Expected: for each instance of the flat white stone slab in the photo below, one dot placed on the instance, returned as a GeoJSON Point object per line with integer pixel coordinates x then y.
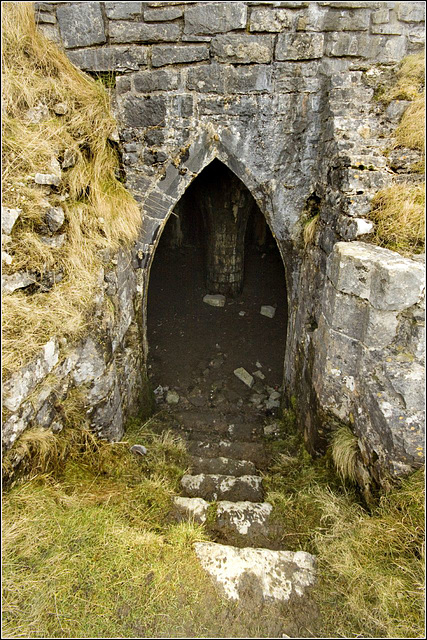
{"type": "Point", "coordinates": [216, 300]}
{"type": "Point", "coordinates": [268, 311]}
{"type": "Point", "coordinates": [244, 376]}
{"type": "Point", "coordinates": [271, 575]}
{"type": "Point", "coordinates": [243, 515]}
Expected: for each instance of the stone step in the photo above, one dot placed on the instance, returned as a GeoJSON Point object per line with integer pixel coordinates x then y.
{"type": "Point", "coordinates": [244, 524]}
{"type": "Point", "coordinates": [217, 487]}
{"type": "Point", "coordinates": [257, 575]}
{"type": "Point", "coordinates": [252, 451]}
{"type": "Point", "coordinates": [222, 466]}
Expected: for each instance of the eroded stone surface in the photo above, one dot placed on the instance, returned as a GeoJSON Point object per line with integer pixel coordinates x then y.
{"type": "Point", "coordinates": [217, 487]}
{"type": "Point", "coordinates": [262, 574]}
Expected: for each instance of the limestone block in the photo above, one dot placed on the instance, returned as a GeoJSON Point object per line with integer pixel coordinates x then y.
{"type": "Point", "coordinates": [122, 10]}
{"type": "Point", "coordinates": [110, 58]}
{"type": "Point", "coordinates": [216, 17]}
{"type": "Point", "coordinates": [254, 79]}
{"type": "Point", "coordinates": [222, 487]}
{"type": "Point", "coordinates": [175, 54]}
{"type": "Point", "coordinates": [138, 111]}
{"type": "Point", "coordinates": [346, 20]}
{"type": "Point", "coordinates": [8, 219]}
{"type": "Point", "coordinates": [268, 19]}
{"type": "Point", "coordinates": [243, 48]}
{"type": "Point", "coordinates": [207, 79]}
{"type": "Point", "coordinates": [245, 520]}
{"type": "Point", "coordinates": [20, 384]}
{"type": "Point", "coordinates": [383, 277]}
{"type": "Point", "coordinates": [299, 46]}
{"type": "Point", "coordinates": [409, 382]}
{"type": "Point", "coordinates": [268, 311]}
{"type": "Point", "coordinates": [274, 576]}
{"type": "Point", "coordinates": [124, 32]}
{"type": "Point", "coordinates": [344, 313]}
{"type": "Point", "coordinates": [411, 11]}
{"type": "Point", "coordinates": [12, 429]}
{"type": "Point", "coordinates": [159, 80]}
{"type": "Point", "coordinates": [81, 24]}
{"type": "Point", "coordinates": [160, 15]}
{"type": "Point", "coordinates": [381, 16]}
{"type": "Point", "coordinates": [379, 328]}
{"type": "Point", "coordinates": [245, 106]}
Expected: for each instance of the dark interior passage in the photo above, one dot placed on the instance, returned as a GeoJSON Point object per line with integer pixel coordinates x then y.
{"type": "Point", "coordinates": [194, 348]}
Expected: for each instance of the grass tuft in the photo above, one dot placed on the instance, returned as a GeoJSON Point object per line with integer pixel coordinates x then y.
{"type": "Point", "coordinates": [398, 214]}
{"type": "Point", "coordinates": [310, 230]}
{"type": "Point", "coordinates": [99, 212]}
{"type": "Point", "coordinates": [344, 452]}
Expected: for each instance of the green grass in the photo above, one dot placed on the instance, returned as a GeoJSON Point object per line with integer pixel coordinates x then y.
{"type": "Point", "coordinates": [371, 562]}
{"type": "Point", "coordinates": [89, 549]}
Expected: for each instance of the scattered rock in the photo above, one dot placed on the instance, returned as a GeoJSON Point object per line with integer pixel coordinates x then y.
{"type": "Point", "coordinates": [18, 280]}
{"type": "Point", "coordinates": [8, 219]}
{"type": "Point", "coordinates": [60, 108]}
{"type": "Point", "coordinates": [258, 364]}
{"type": "Point", "coordinates": [47, 179]}
{"type": "Point", "coordinates": [242, 313]}
{"type": "Point", "coordinates": [272, 429]}
{"type": "Point", "coordinates": [195, 509]}
{"type": "Point", "coordinates": [268, 311]}
{"type": "Point", "coordinates": [6, 257]}
{"type": "Point", "coordinates": [214, 300]}
{"type": "Point", "coordinates": [69, 160]}
{"type": "Point", "coordinates": [37, 114]}
{"type": "Point", "coordinates": [259, 374]}
{"type": "Point", "coordinates": [55, 218]}
{"type": "Point", "coordinates": [172, 397]}
{"type": "Point", "coordinates": [244, 376]}
{"type": "Point", "coordinates": [54, 243]}
{"type": "Point", "coordinates": [139, 450]}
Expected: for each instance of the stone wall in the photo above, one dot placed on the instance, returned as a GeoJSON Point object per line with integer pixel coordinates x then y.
{"type": "Point", "coordinates": [282, 94]}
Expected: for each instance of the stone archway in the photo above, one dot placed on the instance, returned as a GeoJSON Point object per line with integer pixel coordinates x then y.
{"type": "Point", "coordinates": [219, 209]}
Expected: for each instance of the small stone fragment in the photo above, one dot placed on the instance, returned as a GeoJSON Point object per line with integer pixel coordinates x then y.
{"type": "Point", "coordinates": [37, 114]}
{"type": "Point", "coordinates": [244, 376]}
{"type": "Point", "coordinates": [268, 311]}
{"type": "Point", "coordinates": [55, 218]}
{"type": "Point", "coordinates": [60, 108]}
{"type": "Point", "coordinates": [5, 257]}
{"type": "Point", "coordinates": [54, 243]}
{"type": "Point", "coordinates": [18, 280]}
{"type": "Point", "coordinates": [172, 397]}
{"type": "Point", "coordinates": [70, 159]}
{"type": "Point", "coordinates": [8, 219]}
{"type": "Point", "coordinates": [216, 300]}
{"type": "Point", "coordinates": [139, 450]}
{"type": "Point", "coordinates": [259, 374]}
{"type": "Point", "coordinates": [48, 179]}
{"type": "Point", "coordinates": [242, 313]}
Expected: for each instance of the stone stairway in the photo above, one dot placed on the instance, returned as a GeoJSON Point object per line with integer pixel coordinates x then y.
{"type": "Point", "coordinates": [224, 492]}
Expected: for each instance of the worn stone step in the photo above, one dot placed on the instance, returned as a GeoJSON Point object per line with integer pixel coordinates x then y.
{"type": "Point", "coordinates": [258, 575]}
{"type": "Point", "coordinates": [252, 451]}
{"type": "Point", "coordinates": [222, 466]}
{"type": "Point", "coordinates": [244, 524]}
{"type": "Point", "coordinates": [195, 509]}
{"type": "Point", "coordinates": [217, 487]}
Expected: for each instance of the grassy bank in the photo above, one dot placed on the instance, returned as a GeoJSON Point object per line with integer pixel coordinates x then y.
{"type": "Point", "coordinates": [89, 549]}
{"type": "Point", "coordinates": [55, 120]}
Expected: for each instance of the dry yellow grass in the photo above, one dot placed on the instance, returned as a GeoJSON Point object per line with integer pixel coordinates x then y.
{"type": "Point", "coordinates": [398, 214]}
{"type": "Point", "coordinates": [344, 450]}
{"type": "Point", "coordinates": [409, 79]}
{"type": "Point", "coordinates": [99, 212]}
{"type": "Point", "coordinates": [310, 230]}
{"type": "Point", "coordinates": [411, 130]}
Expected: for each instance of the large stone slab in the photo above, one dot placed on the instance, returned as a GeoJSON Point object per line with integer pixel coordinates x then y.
{"type": "Point", "coordinates": [299, 46]}
{"type": "Point", "coordinates": [81, 24]}
{"type": "Point", "coordinates": [175, 54]}
{"type": "Point", "coordinates": [124, 32]}
{"type": "Point", "coordinates": [111, 58]}
{"type": "Point", "coordinates": [389, 281]}
{"type": "Point", "coordinates": [215, 17]}
{"type": "Point", "coordinates": [243, 523]}
{"type": "Point", "coordinates": [260, 574]}
{"type": "Point", "coordinates": [122, 10]}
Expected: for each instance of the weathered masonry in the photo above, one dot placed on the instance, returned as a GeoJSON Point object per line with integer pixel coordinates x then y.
{"type": "Point", "coordinates": [282, 94]}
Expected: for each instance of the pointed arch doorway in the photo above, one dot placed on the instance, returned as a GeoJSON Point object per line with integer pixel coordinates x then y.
{"type": "Point", "coordinates": [217, 241]}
